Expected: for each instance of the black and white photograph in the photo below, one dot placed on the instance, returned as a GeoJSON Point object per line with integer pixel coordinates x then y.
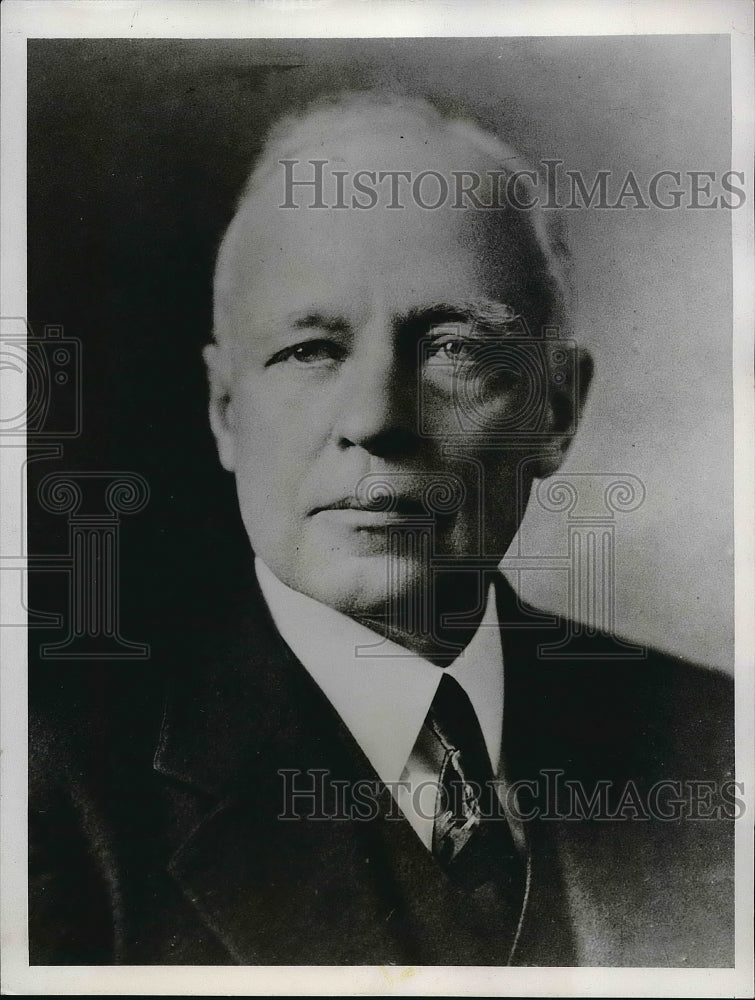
{"type": "Point", "coordinates": [377, 557]}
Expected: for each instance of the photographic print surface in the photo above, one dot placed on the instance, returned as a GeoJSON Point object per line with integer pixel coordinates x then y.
{"type": "Point", "coordinates": [377, 487]}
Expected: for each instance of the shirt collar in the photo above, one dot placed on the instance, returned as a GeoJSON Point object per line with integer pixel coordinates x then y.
{"type": "Point", "coordinates": [381, 690]}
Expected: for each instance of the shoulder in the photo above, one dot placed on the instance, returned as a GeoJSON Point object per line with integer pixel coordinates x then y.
{"type": "Point", "coordinates": [91, 723]}
{"type": "Point", "coordinates": [600, 701]}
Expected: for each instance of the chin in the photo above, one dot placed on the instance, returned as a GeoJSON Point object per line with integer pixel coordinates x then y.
{"type": "Point", "coordinates": [362, 586]}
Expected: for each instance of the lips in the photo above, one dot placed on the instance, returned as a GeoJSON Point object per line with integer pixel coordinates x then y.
{"type": "Point", "coordinates": [401, 506]}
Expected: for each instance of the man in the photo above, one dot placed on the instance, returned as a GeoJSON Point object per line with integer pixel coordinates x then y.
{"type": "Point", "coordinates": [361, 763]}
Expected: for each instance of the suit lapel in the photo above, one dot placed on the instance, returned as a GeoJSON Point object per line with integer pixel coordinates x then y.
{"type": "Point", "coordinates": [545, 934]}
{"type": "Point", "coordinates": [235, 717]}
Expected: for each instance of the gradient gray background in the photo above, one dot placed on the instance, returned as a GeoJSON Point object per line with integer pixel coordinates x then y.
{"type": "Point", "coordinates": [654, 287]}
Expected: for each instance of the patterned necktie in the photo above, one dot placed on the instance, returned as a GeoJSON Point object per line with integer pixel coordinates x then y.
{"type": "Point", "coordinates": [471, 836]}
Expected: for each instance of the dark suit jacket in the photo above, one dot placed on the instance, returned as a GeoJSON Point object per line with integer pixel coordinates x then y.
{"type": "Point", "coordinates": [155, 796]}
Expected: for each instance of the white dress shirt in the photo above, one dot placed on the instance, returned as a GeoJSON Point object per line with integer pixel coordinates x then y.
{"type": "Point", "coordinates": [383, 692]}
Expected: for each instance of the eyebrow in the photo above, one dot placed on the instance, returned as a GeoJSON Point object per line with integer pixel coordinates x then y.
{"type": "Point", "coordinates": [485, 315]}
{"type": "Point", "coordinates": [333, 324]}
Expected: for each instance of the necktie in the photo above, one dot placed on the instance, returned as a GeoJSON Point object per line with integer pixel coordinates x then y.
{"type": "Point", "coordinates": [471, 836]}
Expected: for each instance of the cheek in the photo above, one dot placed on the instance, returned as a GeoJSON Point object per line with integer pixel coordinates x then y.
{"type": "Point", "coordinates": [267, 426]}
{"type": "Point", "coordinates": [267, 481]}
{"type": "Point", "coordinates": [475, 408]}
{"type": "Point", "coordinates": [506, 497]}
{"type": "Point", "coordinates": [497, 486]}
{"type": "Point", "coordinates": [264, 462]}
{"type": "Point", "coordinates": [276, 443]}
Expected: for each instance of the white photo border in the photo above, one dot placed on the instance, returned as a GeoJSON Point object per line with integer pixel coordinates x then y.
{"type": "Point", "coordinates": [24, 19]}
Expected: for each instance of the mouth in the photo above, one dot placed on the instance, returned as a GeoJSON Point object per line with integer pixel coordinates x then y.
{"type": "Point", "coordinates": [392, 508]}
{"type": "Point", "coordinates": [368, 514]}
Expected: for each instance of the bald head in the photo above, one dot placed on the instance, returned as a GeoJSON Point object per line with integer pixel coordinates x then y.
{"type": "Point", "coordinates": [369, 154]}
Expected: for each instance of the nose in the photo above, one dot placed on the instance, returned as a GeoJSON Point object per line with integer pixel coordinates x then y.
{"type": "Point", "coordinates": [378, 407]}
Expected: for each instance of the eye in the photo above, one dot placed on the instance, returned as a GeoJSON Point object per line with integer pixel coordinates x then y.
{"type": "Point", "coordinates": [451, 347]}
{"type": "Point", "coordinates": [489, 361]}
{"type": "Point", "coordinates": [312, 353]}
{"type": "Point", "coordinates": [315, 350]}
{"type": "Point", "coordinates": [456, 350]}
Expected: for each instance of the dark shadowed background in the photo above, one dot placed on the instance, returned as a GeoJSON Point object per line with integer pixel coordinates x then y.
{"type": "Point", "coordinates": [136, 153]}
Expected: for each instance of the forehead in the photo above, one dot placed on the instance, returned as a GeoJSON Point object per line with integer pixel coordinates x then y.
{"type": "Point", "coordinates": [275, 256]}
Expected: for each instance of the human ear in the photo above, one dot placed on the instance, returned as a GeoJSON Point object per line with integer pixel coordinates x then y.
{"type": "Point", "coordinates": [222, 419]}
{"type": "Point", "coordinates": [566, 402]}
